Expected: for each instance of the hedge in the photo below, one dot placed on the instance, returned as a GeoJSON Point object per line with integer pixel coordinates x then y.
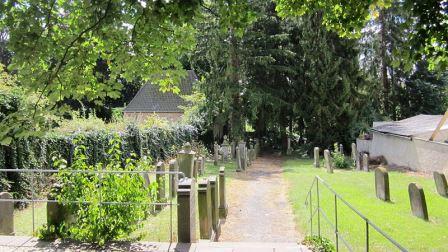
{"type": "Point", "coordinates": [37, 153]}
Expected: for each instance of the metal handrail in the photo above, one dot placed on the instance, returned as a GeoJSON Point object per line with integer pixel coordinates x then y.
{"type": "Point", "coordinates": [338, 235]}
{"type": "Point", "coordinates": [99, 171]}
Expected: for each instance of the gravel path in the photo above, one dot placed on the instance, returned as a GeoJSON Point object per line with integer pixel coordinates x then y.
{"type": "Point", "coordinates": [258, 205]}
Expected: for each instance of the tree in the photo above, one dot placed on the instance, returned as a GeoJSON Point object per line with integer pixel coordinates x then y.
{"type": "Point", "coordinates": [347, 18]}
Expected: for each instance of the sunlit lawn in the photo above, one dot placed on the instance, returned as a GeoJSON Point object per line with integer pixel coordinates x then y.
{"type": "Point", "coordinates": [155, 228]}
{"type": "Point", "coordinates": [358, 188]}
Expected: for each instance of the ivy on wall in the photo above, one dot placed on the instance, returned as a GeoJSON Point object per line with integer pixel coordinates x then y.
{"type": "Point", "coordinates": [37, 152]}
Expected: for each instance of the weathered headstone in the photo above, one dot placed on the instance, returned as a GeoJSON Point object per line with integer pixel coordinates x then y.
{"type": "Point", "coordinates": [441, 184]}
{"type": "Point", "coordinates": [238, 160]}
{"type": "Point", "coordinates": [215, 154]}
{"type": "Point", "coordinates": [222, 193]}
{"type": "Point", "coordinates": [174, 180]}
{"type": "Point", "coordinates": [316, 157]}
{"type": "Point", "coordinates": [160, 178]}
{"type": "Point", "coordinates": [233, 150]}
{"type": "Point", "coordinates": [202, 165]}
{"type": "Point", "coordinates": [354, 152]}
{"type": "Point", "coordinates": [196, 166]}
{"type": "Point", "coordinates": [55, 212]}
{"type": "Point", "coordinates": [257, 147]}
{"type": "Point", "coordinates": [6, 214]}
{"type": "Point", "coordinates": [341, 148]}
{"type": "Point", "coordinates": [358, 161]}
{"type": "Point", "coordinates": [418, 201]}
{"type": "Point", "coordinates": [328, 163]}
{"type": "Point", "coordinates": [243, 154]}
{"type": "Point", "coordinates": [215, 204]}
{"type": "Point", "coordinates": [186, 211]}
{"type": "Point", "coordinates": [365, 162]}
{"type": "Point", "coordinates": [382, 184]}
{"type": "Point", "coordinates": [185, 160]}
{"type": "Point", "coordinates": [225, 152]}
{"type": "Point", "coordinates": [205, 209]}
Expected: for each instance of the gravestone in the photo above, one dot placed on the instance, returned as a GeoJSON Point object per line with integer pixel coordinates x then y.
{"type": "Point", "coordinates": [215, 154]}
{"type": "Point", "coordinates": [243, 154]}
{"type": "Point", "coordinates": [257, 147]}
{"type": "Point", "coordinates": [222, 193]}
{"type": "Point", "coordinates": [225, 149]}
{"type": "Point", "coordinates": [328, 163]}
{"type": "Point", "coordinates": [365, 162]}
{"type": "Point", "coordinates": [354, 152]}
{"type": "Point", "coordinates": [174, 180]}
{"type": "Point", "coordinates": [202, 165]}
{"type": "Point", "coordinates": [186, 211]}
{"type": "Point", "coordinates": [441, 184]}
{"type": "Point", "coordinates": [418, 201]}
{"type": "Point", "coordinates": [358, 161]}
{"type": "Point", "coordinates": [341, 148]}
{"type": "Point", "coordinates": [195, 167]}
{"type": "Point", "coordinates": [316, 157]}
{"type": "Point", "coordinates": [215, 205]}
{"type": "Point", "coordinates": [160, 178]}
{"type": "Point", "coordinates": [185, 160]}
{"type": "Point", "coordinates": [205, 209]}
{"type": "Point", "coordinates": [233, 150]}
{"type": "Point", "coordinates": [382, 184]}
{"type": "Point", "coordinates": [6, 214]}
{"type": "Point", "coordinates": [238, 160]}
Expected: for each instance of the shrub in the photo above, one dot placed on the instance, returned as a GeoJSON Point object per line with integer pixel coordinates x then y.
{"type": "Point", "coordinates": [93, 221]}
{"type": "Point", "coordinates": [339, 159]}
{"type": "Point", "coordinates": [318, 243]}
{"type": "Point", "coordinates": [37, 152]}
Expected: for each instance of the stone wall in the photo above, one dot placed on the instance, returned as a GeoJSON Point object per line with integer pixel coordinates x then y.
{"type": "Point", "coordinates": [417, 154]}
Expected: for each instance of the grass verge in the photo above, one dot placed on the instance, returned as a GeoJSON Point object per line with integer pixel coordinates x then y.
{"type": "Point", "coordinates": [358, 188]}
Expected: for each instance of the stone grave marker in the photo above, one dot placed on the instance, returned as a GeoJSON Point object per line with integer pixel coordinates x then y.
{"type": "Point", "coordinates": [222, 193]}
{"type": "Point", "coordinates": [186, 211]}
{"type": "Point", "coordinates": [185, 160]}
{"type": "Point", "coordinates": [418, 201]}
{"type": "Point", "coordinates": [365, 162]}
{"type": "Point", "coordinates": [328, 163]}
{"type": "Point", "coordinates": [441, 184]}
{"type": "Point", "coordinates": [174, 179]}
{"type": "Point", "coordinates": [6, 214]}
{"type": "Point", "coordinates": [215, 154]}
{"type": "Point", "coordinates": [382, 184]}
{"type": "Point", "coordinates": [205, 209]}
{"type": "Point", "coordinates": [316, 157]}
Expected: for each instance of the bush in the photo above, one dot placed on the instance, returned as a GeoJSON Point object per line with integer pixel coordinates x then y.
{"type": "Point", "coordinates": [339, 159]}
{"type": "Point", "coordinates": [37, 152]}
{"type": "Point", "coordinates": [93, 221]}
{"type": "Point", "coordinates": [318, 244]}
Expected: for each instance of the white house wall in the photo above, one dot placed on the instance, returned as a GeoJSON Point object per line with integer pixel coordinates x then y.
{"type": "Point", "coordinates": [417, 154]}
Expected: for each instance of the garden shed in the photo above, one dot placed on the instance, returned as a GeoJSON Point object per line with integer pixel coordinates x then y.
{"type": "Point", "coordinates": [418, 143]}
{"type": "Point", "coordinates": [149, 100]}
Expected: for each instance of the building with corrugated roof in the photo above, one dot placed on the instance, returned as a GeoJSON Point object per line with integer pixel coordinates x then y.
{"type": "Point", "coordinates": [418, 143]}
{"type": "Point", "coordinates": [149, 101]}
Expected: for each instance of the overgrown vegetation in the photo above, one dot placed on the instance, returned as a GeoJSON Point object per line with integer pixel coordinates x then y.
{"type": "Point", "coordinates": [37, 152]}
{"type": "Point", "coordinates": [339, 159]}
{"type": "Point", "coordinates": [112, 205]}
{"type": "Point", "coordinates": [318, 244]}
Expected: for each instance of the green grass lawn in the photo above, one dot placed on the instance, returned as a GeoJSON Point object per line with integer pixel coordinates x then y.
{"type": "Point", "coordinates": [358, 188]}
{"type": "Point", "coordinates": [155, 228]}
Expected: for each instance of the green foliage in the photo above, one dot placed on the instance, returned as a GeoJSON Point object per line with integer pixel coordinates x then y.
{"type": "Point", "coordinates": [96, 221]}
{"type": "Point", "coordinates": [19, 117]}
{"type": "Point", "coordinates": [339, 159]}
{"type": "Point", "coordinates": [59, 46]}
{"type": "Point", "coordinates": [319, 243]}
{"type": "Point", "coordinates": [37, 152]}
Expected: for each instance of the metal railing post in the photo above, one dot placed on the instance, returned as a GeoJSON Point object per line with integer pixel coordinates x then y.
{"type": "Point", "coordinates": [311, 211]}
{"type": "Point", "coordinates": [367, 235]}
{"type": "Point", "coordinates": [336, 231]}
{"type": "Point", "coordinates": [318, 208]}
